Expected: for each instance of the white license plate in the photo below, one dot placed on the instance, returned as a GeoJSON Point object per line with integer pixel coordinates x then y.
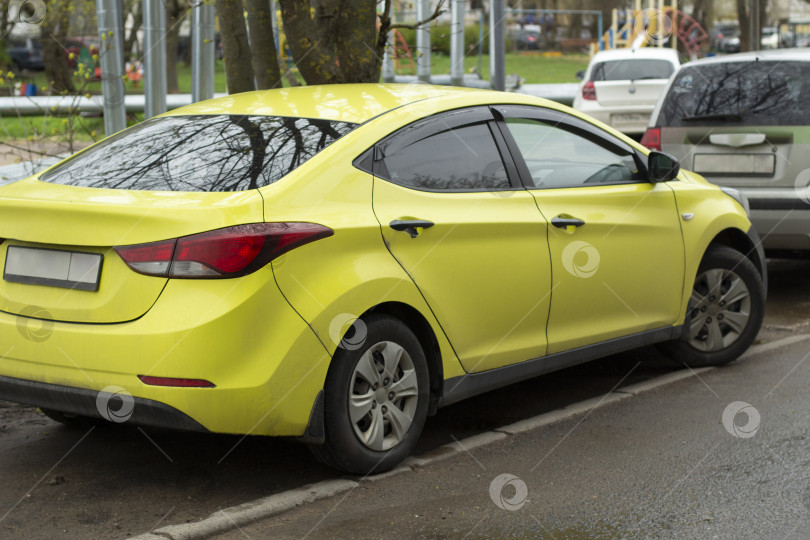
{"type": "Point", "coordinates": [629, 118]}
{"type": "Point", "coordinates": [53, 267]}
{"type": "Point", "coordinates": [735, 164]}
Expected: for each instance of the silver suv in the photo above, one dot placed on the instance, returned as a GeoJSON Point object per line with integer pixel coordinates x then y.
{"type": "Point", "coordinates": [743, 121]}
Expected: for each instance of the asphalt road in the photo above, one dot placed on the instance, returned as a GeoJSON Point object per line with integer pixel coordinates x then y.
{"type": "Point", "coordinates": [120, 481]}
{"type": "Point", "coordinates": [659, 465]}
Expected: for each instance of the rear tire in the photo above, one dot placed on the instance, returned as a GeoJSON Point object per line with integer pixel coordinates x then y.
{"type": "Point", "coordinates": [375, 399]}
{"type": "Point", "coordinates": [725, 311]}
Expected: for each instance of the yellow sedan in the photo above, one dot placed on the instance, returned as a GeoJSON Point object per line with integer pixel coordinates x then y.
{"type": "Point", "coordinates": [335, 263]}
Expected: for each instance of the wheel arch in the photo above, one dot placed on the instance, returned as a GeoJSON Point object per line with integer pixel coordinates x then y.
{"type": "Point", "coordinates": [747, 244]}
{"type": "Point", "coordinates": [420, 326]}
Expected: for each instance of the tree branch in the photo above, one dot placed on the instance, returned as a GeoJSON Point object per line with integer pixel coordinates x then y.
{"type": "Point", "coordinates": [435, 15]}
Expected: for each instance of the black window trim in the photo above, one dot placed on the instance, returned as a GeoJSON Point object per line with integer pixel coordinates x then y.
{"type": "Point", "coordinates": [568, 123]}
{"type": "Point", "coordinates": [434, 125]}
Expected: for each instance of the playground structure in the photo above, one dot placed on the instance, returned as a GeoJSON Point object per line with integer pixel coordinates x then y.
{"type": "Point", "coordinates": [654, 26]}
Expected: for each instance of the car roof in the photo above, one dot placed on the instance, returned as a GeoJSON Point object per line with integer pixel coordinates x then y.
{"type": "Point", "coordinates": [641, 52]}
{"type": "Point", "coordinates": [800, 54]}
{"type": "Point", "coordinates": [356, 103]}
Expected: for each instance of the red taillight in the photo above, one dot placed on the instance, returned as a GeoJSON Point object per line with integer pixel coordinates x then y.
{"type": "Point", "coordinates": [171, 381]}
{"type": "Point", "coordinates": [652, 138]}
{"type": "Point", "coordinates": [223, 253]}
{"type": "Point", "coordinates": [588, 91]}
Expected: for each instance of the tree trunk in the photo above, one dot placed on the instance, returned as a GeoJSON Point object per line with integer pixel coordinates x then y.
{"type": "Point", "coordinates": [702, 13]}
{"type": "Point", "coordinates": [744, 17]}
{"type": "Point", "coordinates": [136, 10]}
{"type": "Point", "coordinates": [316, 61]}
{"type": "Point", "coordinates": [263, 44]}
{"type": "Point", "coordinates": [238, 69]}
{"type": "Point", "coordinates": [359, 52]}
{"type": "Point", "coordinates": [54, 31]}
{"type": "Point", "coordinates": [175, 11]}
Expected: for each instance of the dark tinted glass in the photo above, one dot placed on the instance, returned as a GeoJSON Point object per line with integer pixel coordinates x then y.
{"type": "Point", "coordinates": [739, 93]}
{"type": "Point", "coordinates": [463, 158]}
{"type": "Point", "coordinates": [627, 70]}
{"type": "Point", "coordinates": [200, 153]}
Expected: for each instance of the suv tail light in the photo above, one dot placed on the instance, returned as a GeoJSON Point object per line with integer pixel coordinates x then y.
{"type": "Point", "coordinates": [222, 253]}
{"type": "Point", "coordinates": [652, 138]}
{"type": "Point", "coordinates": [589, 91]}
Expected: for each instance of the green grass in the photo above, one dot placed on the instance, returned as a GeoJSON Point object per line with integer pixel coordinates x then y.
{"type": "Point", "coordinates": [533, 68]}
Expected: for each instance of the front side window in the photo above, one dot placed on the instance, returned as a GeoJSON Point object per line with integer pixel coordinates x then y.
{"type": "Point", "coordinates": [763, 93]}
{"type": "Point", "coordinates": [558, 158]}
{"type": "Point", "coordinates": [200, 153]}
{"type": "Point", "coordinates": [462, 158]}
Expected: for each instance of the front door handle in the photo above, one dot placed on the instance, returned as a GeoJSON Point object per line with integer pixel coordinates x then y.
{"type": "Point", "coordinates": [562, 223]}
{"type": "Point", "coordinates": [410, 226]}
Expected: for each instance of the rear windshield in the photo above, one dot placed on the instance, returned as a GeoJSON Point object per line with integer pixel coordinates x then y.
{"type": "Point", "coordinates": [200, 153]}
{"type": "Point", "coordinates": [632, 70]}
{"type": "Point", "coordinates": [739, 93]}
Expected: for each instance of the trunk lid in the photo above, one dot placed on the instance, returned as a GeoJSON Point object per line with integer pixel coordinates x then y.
{"type": "Point", "coordinates": [629, 93]}
{"type": "Point", "coordinates": [53, 232]}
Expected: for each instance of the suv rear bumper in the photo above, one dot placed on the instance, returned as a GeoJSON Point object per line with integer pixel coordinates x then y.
{"type": "Point", "coordinates": [781, 218]}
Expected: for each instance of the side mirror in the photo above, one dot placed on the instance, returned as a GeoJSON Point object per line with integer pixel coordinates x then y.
{"type": "Point", "coordinates": [662, 167]}
{"type": "Point", "coordinates": [580, 74]}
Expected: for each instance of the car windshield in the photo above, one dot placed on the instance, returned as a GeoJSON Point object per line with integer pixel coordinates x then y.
{"type": "Point", "coordinates": [200, 153]}
{"type": "Point", "coordinates": [632, 70]}
{"type": "Point", "coordinates": [741, 93]}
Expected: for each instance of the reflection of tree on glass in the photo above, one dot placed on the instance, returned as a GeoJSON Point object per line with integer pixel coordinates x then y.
{"type": "Point", "coordinates": [743, 93]}
{"type": "Point", "coordinates": [200, 153]}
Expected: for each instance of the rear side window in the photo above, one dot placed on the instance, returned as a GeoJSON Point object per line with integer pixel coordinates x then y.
{"type": "Point", "coordinates": [739, 93]}
{"type": "Point", "coordinates": [200, 153]}
{"type": "Point", "coordinates": [463, 158]}
{"type": "Point", "coordinates": [632, 70]}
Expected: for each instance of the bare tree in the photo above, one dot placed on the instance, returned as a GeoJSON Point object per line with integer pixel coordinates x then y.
{"type": "Point", "coordinates": [55, 28]}
{"type": "Point", "coordinates": [175, 12]}
{"type": "Point", "coordinates": [744, 18]}
{"type": "Point", "coordinates": [339, 41]}
{"type": "Point", "coordinates": [263, 44]}
{"type": "Point", "coordinates": [238, 67]}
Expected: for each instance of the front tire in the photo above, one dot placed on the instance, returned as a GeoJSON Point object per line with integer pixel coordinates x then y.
{"type": "Point", "coordinates": [375, 399]}
{"type": "Point", "coordinates": [725, 311]}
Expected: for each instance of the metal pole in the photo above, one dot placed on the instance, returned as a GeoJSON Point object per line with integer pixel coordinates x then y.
{"type": "Point", "coordinates": [481, 24]}
{"type": "Point", "coordinates": [497, 46]}
{"type": "Point", "coordinates": [111, 37]}
{"type": "Point", "coordinates": [388, 74]}
{"type": "Point", "coordinates": [423, 41]}
{"type": "Point", "coordinates": [601, 34]}
{"type": "Point", "coordinates": [154, 31]}
{"type": "Point", "coordinates": [457, 43]}
{"type": "Point", "coordinates": [202, 52]}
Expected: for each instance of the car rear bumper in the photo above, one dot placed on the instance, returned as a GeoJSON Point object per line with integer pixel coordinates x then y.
{"type": "Point", "coordinates": [267, 365]}
{"type": "Point", "coordinates": [84, 402]}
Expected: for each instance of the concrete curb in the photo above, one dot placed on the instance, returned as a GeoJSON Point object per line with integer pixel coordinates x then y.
{"type": "Point", "coordinates": [232, 518]}
{"type": "Point", "coordinates": [237, 516]}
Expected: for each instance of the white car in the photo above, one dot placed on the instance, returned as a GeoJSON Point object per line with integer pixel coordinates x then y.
{"type": "Point", "coordinates": [621, 86]}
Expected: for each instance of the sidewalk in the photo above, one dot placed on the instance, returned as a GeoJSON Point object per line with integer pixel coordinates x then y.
{"type": "Point", "coordinates": [20, 159]}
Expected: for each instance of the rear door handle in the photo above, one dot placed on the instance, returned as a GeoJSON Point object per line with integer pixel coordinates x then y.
{"type": "Point", "coordinates": [562, 223]}
{"type": "Point", "coordinates": [409, 226]}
